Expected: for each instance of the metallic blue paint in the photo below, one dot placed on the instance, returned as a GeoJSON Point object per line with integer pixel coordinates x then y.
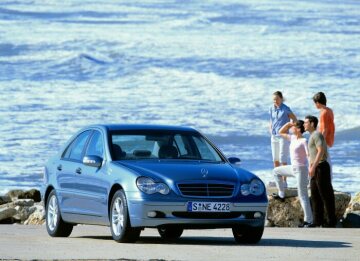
{"type": "Point", "coordinates": [84, 197]}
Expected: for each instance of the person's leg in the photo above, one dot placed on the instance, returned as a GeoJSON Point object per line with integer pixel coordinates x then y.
{"type": "Point", "coordinates": [275, 150]}
{"type": "Point", "coordinates": [326, 192]}
{"type": "Point", "coordinates": [279, 173]}
{"type": "Point", "coordinates": [283, 154]}
{"type": "Point", "coordinates": [316, 202]}
{"type": "Point", "coordinates": [303, 181]}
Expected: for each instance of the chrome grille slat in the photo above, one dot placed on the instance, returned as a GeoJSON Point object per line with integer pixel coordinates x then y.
{"type": "Point", "coordinates": [206, 189]}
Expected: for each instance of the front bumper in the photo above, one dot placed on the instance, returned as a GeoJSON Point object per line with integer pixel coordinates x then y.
{"type": "Point", "coordinates": [175, 213]}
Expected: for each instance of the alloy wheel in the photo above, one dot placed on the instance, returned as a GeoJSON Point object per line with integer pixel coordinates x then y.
{"type": "Point", "coordinates": [117, 216]}
{"type": "Point", "coordinates": [53, 213]}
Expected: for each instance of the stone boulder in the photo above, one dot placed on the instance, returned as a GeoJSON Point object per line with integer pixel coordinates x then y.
{"type": "Point", "coordinates": [4, 199]}
{"type": "Point", "coordinates": [352, 214]}
{"type": "Point", "coordinates": [7, 212]}
{"type": "Point", "coordinates": [37, 217]}
{"type": "Point", "coordinates": [354, 204]}
{"type": "Point", "coordinates": [20, 194]}
{"type": "Point", "coordinates": [290, 214]}
{"type": "Point", "coordinates": [22, 208]}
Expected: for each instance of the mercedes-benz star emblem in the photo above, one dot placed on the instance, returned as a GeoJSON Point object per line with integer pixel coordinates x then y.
{"type": "Point", "coordinates": [204, 173]}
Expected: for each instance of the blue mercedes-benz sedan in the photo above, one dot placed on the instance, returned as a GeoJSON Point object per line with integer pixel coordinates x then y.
{"type": "Point", "coordinates": [131, 177]}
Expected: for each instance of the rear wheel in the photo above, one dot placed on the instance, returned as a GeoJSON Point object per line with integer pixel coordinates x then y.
{"type": "Point", "coordinates": [55, 226]}
{"type": "Point", "coordinates": [247, 235]}
{"type": "Point", "coordinates": [170, 233]}
{"type": "Point", "coordinates": [121, 229]}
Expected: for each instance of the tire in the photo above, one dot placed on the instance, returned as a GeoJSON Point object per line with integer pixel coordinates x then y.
{"type": "Point", "coordinates": [247, 235]}
{"type": "Point", "coordinates": [170, 233]}
{"type": "Point", "coordinates": [55, 226]}
{"type": "Point", "coordinates": [120, 227]}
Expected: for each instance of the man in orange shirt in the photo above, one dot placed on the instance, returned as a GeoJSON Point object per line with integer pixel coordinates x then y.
{"type": "Point", "coordinates": [326, 121]}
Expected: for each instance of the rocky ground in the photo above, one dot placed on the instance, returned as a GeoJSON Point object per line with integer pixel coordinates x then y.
{"type": "Point", "coordinates": [290, 214]}
{"type": "Point", "coordinates": [25, 207]}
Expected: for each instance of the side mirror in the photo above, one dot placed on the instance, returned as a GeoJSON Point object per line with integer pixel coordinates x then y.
{"type": "Point", "coordinates": [234, 160]}
{"type": "Point", "coordinates": [92, 161]}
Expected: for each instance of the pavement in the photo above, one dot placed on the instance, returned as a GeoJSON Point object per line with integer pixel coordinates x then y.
{"type": "Point", "coordinates": [94, 242]}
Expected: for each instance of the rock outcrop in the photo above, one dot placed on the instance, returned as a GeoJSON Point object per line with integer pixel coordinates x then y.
{"type": "Point", "coordinates": [290, 214]}
{"type": "Point", "coordinates": [33, 194]}
{"type": "Point", "coordinates": [22, 207]}
{"type": "Point", "coordinates": [352, 213]}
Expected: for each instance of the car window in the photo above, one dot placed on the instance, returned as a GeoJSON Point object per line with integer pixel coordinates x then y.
{"type": "Point", "coordinates": [75, 149]}
{"type": "Point", "coordinates": [207, 152]}
{"type": "Point", "coordinates": [96, 145]}
{"type": "Point", "coordinates": [180, 144]}
{"type": "Point", "coordinates": [161, 145]}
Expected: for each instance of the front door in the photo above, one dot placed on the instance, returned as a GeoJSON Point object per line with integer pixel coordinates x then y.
{"type": "Point", "coordinates": [91, 184]}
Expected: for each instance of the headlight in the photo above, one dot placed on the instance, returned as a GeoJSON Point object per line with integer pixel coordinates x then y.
{"type": "Point", "coordinates": [245, 189]}
{"type": "Point", "coordinates": [148, 186]}
{"type": "Point", "coordinates": [256, 187]}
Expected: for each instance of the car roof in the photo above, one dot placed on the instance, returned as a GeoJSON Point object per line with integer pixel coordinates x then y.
{"type": "Point", "coordinates": [115, 127]}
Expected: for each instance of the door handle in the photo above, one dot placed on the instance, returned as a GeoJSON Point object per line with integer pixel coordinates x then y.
{"type": "Point", "coordinates": [78, 170]}
{"type": "Point", "coordinates": [59, 167]}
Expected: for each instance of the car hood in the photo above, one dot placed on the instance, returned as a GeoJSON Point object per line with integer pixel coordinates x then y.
{"type": "Point", "coordinates": [188, 171]}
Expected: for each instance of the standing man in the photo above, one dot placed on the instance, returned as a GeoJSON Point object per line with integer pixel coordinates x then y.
{"type": "Point", "coordinates": [326, 122]}
{"type": "Point", "coordinates": [322, 193]}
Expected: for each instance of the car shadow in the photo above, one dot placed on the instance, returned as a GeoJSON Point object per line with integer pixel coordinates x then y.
{"type": "Point", "coordinates": [227, 241]}
{"type": "Point", "coordinates": [304, 243]}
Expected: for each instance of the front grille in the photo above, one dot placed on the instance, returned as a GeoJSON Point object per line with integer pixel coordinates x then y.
{"type": "Point", "coordinates": [206, 189]}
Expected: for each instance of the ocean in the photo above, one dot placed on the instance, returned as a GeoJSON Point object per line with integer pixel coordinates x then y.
{"type": "Point", "coordinates": [212, 65]}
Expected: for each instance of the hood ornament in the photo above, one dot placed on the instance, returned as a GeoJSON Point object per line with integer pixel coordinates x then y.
{"type": "Point", "coordinates": [204, 173]}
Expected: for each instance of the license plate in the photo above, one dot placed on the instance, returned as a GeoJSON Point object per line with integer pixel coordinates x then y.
{"type": "Point", "coordinates": [208, 207]}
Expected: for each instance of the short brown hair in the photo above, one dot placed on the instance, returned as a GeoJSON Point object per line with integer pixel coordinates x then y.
{"type": "Point", "coordinates": [312, 119]}
{"type": "Point", "coordinates": [279, 94]}
{"type": "Point", "coordinates": [320, 98]}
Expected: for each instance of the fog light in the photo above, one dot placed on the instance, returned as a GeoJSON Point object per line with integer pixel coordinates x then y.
{"type": "Point", "coordinates": [151, 214]}
{"type": "Point", "coordinates": [257, 215]}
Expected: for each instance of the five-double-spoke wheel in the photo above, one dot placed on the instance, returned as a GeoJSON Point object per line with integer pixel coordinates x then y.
{"type": "Point", "coordinates": [55, 226]}
{"type": "Point", "coordinates": [120, 226]}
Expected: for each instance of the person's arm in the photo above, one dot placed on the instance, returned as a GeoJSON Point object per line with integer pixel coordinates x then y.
{"type": "Point", "coordinates": [322, 123]}
{"type": "Point", "coordinates": [285, 129]}
{"type": "Point", "coordinates": [319, 155]}
{"type": "Point", "coordinates": [292, 117]}
{"type": "Point", "coordinates": [305, 145]}
{"type": "Point", "coordinates": [270, 121]}
{"type": "Point", "coordinates": [306, 150]}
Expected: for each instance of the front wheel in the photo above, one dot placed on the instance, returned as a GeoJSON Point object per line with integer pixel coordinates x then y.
{"type": "Point", "coordinates": [170, 233]}
{"type": "Point", "coordinates": [121, 229]}
{"type": "Point", "coordinates": [247, 235]}
{"type": "Point", "coordinates": [55, 226]}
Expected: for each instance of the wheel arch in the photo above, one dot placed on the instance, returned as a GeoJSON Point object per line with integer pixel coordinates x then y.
{"type": "Point", "coordinates": [46, 195]}
{"type": "Point", "coordinates": [112, 192]}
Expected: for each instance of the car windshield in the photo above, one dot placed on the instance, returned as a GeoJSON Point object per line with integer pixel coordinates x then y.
{"type": "Point", "coordinates": [135, 145]}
